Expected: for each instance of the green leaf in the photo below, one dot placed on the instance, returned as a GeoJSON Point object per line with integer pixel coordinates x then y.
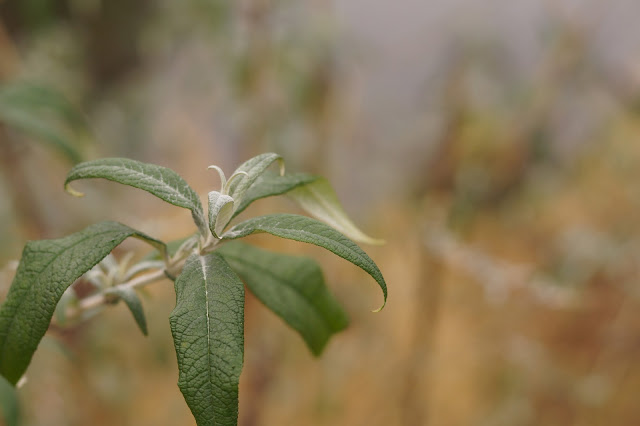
{"type": "Point", "coordinates": [320, 200]}
{"type": "Point", "coordinates": [42, 130]}
{"type": "Point", "coordinates": [307, 230]}
{"type": "Point", "coordinates": [9, 406]}
{"type": "Point", "coordinates": [253, 168]}
{"type": "Point", "coordinates": [208, 332]}
{"type": "Point", "coordinates": [43, 99]}
{"type": "Point", "coordinates": [220, 210]}
{"type": "Point", "coordinates": [160, 181]}
{"type": "Point", "coordinates": [46, 270]}
{"type": "Point", "coordinates": [44, 114]}
{"type": "Point", "coordinates": [134, 304]}
{"type": "Point", "coordinates": [270, 184]}
{"type": "Point", "coordinates": [291, 286]}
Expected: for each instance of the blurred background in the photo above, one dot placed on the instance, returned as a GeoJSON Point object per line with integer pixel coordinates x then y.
{"type": "Point", "coordinates": [493, 144]}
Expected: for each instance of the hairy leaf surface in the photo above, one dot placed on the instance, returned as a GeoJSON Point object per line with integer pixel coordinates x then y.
{"type": "Point", "coordinates": [208, 332]}
{"type": "Point", "coordinates": [160, 181]}
{"type": "Point", "coordinates": [220, 210]}
{"type": "Point", "coordinates": [270, 184]}
{"type": "Point", "coordinates": [320, 200]}
{"type": "Point", "coordinates": [291, 286]}
{"type": "Point", "coordinates": [46, 269]}
{"type": "Point", "coordinates": [308, 230]}
{"type": "Point", "coordinates": [253, 168]}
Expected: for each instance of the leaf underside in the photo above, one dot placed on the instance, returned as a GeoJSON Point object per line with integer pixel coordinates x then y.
{"type": "Point", "coordinates": [47, 268]}
{"type": "Point", "coordinates": [160, 181]}
{"type": "Point", "coordinates": [320, 200]}
{"type": "Point", "coordinates": [220, 210]}
{"type": "Point", "coordinates": [308, 230]}
{"type": "Point", "coordinates": [131, 299]}
{"type": "Point", "coordinates": [291, 286]}
{"type": "Point", "coordinates": [208, 332]}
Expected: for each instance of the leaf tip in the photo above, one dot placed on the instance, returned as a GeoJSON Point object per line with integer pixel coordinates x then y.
{"type": "Point", "coordinates": [241, 174]}
{"type": "Point", "coordinates": [21, 382]}
{"type": "Point", "coordinates": [223, 179]}
{"type": "Point", "coordinates": [281, 165]}
{"type": "Point", "coordinates": [72, 191]}
{"type": "Point", "coordinates": [381, 307]}
{"type": "Point", "coordinates": [374, 241]}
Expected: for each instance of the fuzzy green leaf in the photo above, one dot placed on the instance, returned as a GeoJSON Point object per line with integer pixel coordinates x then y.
{"type": "Point", "coordinates": [220, 210]}
{"type": "Point", "coordinates": [47, 268]}
{"type": "Point", "coordinates": [291, 286]}
{"type": "Point", "coordinates": [307, 230]}
{"type": "Point", "coordinates": [160, 181]}
{"type": "Point", "coordinates": [320, 200]}
{"type": "Point", "coordinates": [134, 304]}
{"type": "Point", "coordinates": [9, 406]}
{"type": "Point", "coordinates": [208, 332]}
{"type": "Point", "coordinates": [270, 184]}
{"type": "Point", "coordinates": [253, 168]}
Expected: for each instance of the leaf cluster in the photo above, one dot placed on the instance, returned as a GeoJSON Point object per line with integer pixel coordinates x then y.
{"type": "Point", "coordinates": [210, 270]}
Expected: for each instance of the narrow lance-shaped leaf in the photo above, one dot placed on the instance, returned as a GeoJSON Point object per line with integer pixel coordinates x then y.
{"type": "Point", "coordinates": [291, 286]}
{"type": "Point", "coordinates": [134, 304]}
{"type": "Point", "coordinates": [39, 98]}
{"type": "Point", "coordinates": [270, 184]}
{"type": "Point", "coordinates": [220, 210]}
{"type": "Point", "coordinates": [47, 268]}
{"type": "Point", "coordinates": [208, 332]}
{"type": "Point", "coordinates": [320, 200]}
{"type": "Point", "coordinates": [41, 130]}
{"type": "Point", "coordinates": [253, 169]}
{"type": "Point", "coordinates": [160, 181]}
{"type": "Point", "coordinates": [305, 229]}
{"type": "Point", "coordinates": [9, 406]}
{"type": "Point", "coordinates": [45, 114]}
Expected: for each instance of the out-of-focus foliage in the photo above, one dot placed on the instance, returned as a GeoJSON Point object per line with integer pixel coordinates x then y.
{"type": "Point", "coordinates": [492, 144]}
{"type": "Point", "coordinates": [45, 115]}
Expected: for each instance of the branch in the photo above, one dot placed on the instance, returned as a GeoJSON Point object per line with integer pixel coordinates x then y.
{"type": "Point", "coordinates": [101, 299]}
{"type": "Point", "coordinates": [96, 301]}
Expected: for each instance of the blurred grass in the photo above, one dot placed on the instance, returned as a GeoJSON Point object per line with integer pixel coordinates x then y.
{"type": "Point", "coordinates": [509, 202]}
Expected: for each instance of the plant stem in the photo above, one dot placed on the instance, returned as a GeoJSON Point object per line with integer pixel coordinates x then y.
{"type": "Point", "coordinates": [172, 269]}
{"type": "Point", "coordinates": [100, 299]}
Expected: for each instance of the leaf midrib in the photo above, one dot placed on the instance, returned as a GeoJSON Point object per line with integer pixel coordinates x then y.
{"type": "Point", "coordinates": [206, 301]}
{"type": "Point", "coordinates": [161, 181]}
